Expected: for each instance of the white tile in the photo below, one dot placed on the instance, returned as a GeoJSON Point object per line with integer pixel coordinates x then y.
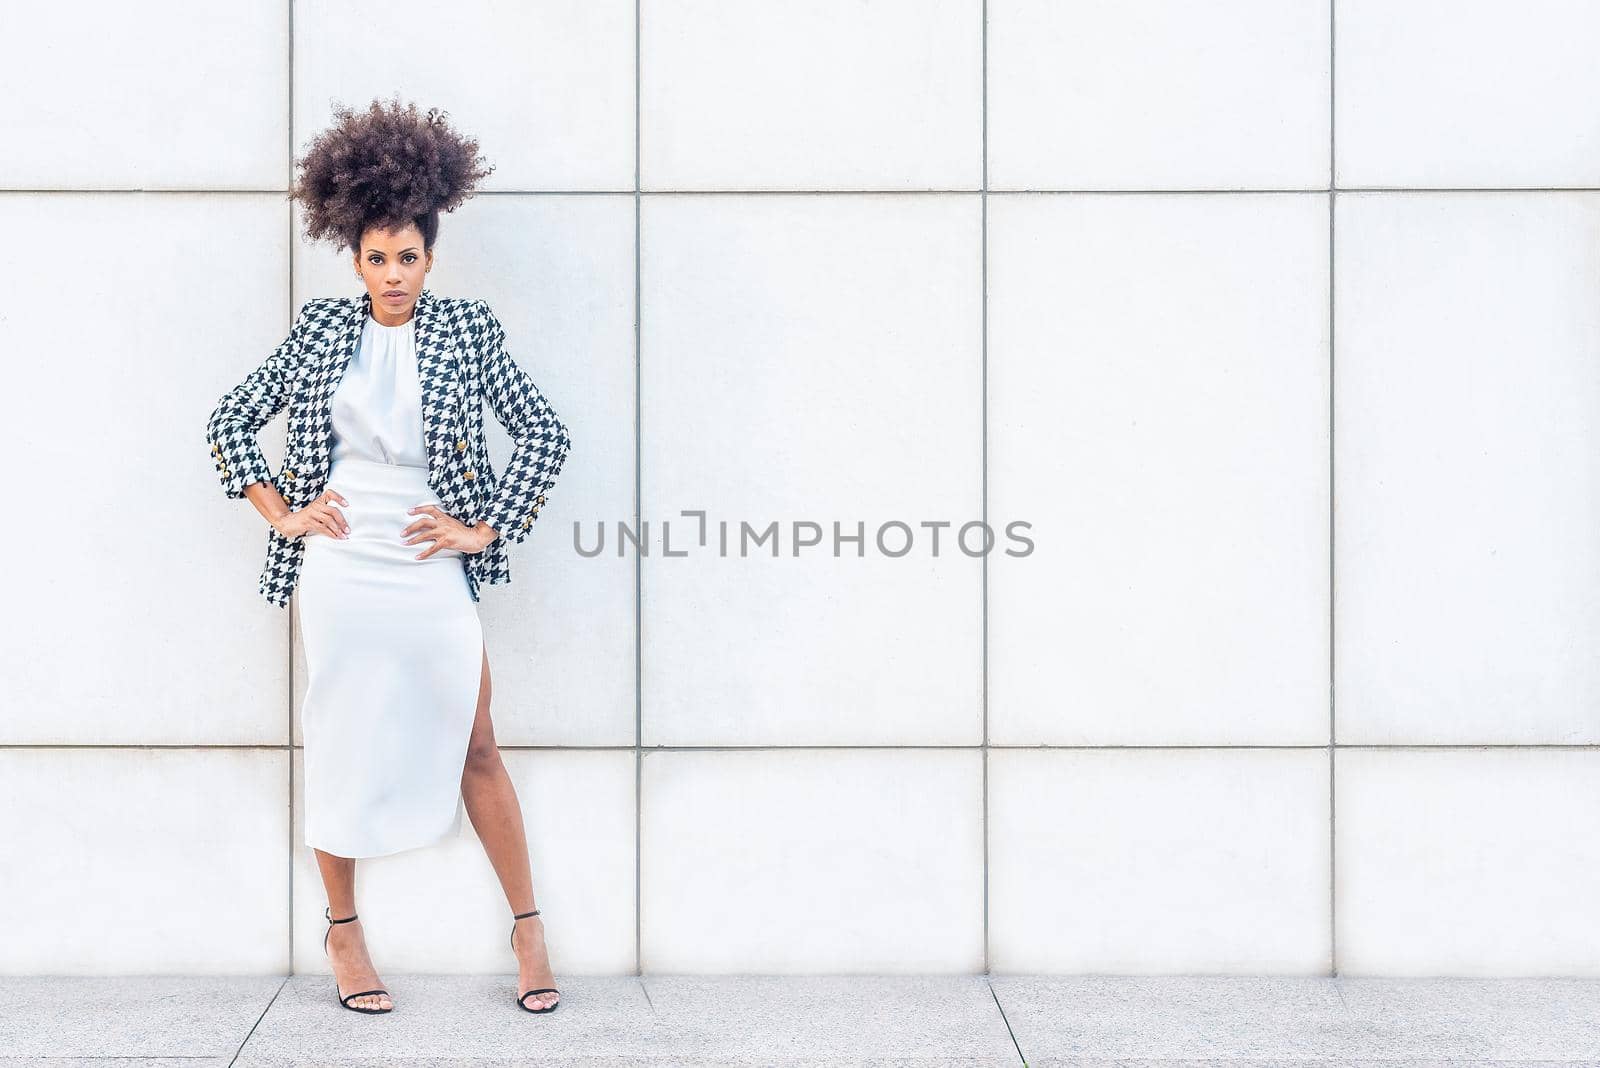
{"type": "Point", "coordinates": [546, 89]}
{"type": "Point", "coordinates": [933, 1021]}
{"type": "Point", "coordinates": [810, 360]}
{"type": "Point", "coordinates": [139, 619]}
{"type": "Point", "coordinates": [1196, 1020]}
{"type": "Point", "coordinates": [1456, 93]}
{"type": "Point", "coordinates": [1468, 862]}
{"type": "Point", "coordinates": [831, 860]}
{"type": "Point", "coordinates": [1158, 94]}
{"type": "Point", "coordinates": [1158, 412]}
{"type": "Point", "coordinates": [558, 273]}
{"type": "Point", "coordinates": [160, 95]}
{"type": "Point", "coordinates": [1501, 1020]}
{"type": "Point", "coordinates": [1187, 1021]}
{"type": "Point", "coordinates": [1467, 577]}
{"type": "Point", "coordinates": [832, 94]}
{"type": "Point", "coordinates": [152, 1021]}
{"type": "Point", "coordinates": [1156, 861]}
{"type": "Point", "coordinates": [144, 861]}
{"type": "Point", "coordinates": [440, 908]}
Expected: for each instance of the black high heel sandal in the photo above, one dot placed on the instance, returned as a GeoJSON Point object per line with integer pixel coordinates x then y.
{"type": "Point", "coordinates": [345, 1000]}
{"type": "Point", "coordinates": [523, 998]}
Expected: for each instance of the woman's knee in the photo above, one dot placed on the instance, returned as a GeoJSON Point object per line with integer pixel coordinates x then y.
{"type": "Point", "coordinates": [483, 758]}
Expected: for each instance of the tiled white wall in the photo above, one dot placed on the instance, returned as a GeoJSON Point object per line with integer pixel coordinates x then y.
{"type": "Point", "coordinates": [1275, 322]}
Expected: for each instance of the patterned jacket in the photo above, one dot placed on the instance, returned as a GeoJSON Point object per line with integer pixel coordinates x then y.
{"type": "Point", "coordinates": [461, 360]}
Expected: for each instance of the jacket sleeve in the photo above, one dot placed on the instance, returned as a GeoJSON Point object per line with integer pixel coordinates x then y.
{"type": "Point", "coordinates": [245, 409]}
{"type": "Point", "coordinates": [540, 439]}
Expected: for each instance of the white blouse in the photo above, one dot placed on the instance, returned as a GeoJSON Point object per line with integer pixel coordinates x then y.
{"type": "Point", "coordinates": [377, 409]}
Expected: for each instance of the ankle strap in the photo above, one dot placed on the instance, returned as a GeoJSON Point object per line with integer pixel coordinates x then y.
{"type": "Point", "coordinates": [327, 912]}
{"type": "Point", "coordinates": [521, 915]}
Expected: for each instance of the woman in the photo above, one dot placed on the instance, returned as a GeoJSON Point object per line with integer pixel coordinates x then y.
{"type": "Point", "coordinates": [386, 455]}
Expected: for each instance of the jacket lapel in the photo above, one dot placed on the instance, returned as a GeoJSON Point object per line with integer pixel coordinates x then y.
{"type": "Point", "coordinates": [439, 379]}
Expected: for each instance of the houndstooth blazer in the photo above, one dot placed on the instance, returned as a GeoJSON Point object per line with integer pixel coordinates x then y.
{"type": "Point", "coordinates": [461, 361]}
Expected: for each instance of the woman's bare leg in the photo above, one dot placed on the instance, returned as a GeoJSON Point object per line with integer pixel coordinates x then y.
{"type": "Point", "coordinates": [491, 804]}
{"type": "Point", "coordinates": [347, 944]}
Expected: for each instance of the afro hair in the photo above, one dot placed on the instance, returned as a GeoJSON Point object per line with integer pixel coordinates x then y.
{"type": "Point", "coordinates": [388, 167]}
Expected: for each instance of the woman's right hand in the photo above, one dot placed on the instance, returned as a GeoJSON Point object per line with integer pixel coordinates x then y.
{"type": "Point", "coordinates": [318, 517]}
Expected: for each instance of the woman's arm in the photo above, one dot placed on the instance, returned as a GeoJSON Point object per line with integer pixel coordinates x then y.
{"type": "Point", "coordinates": [245, 409]}
{"type": "Point", "coordinates": [541, 441]}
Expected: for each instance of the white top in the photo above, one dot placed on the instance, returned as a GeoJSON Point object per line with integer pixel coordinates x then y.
{"type": "Point", "coordinates": [377, 409]}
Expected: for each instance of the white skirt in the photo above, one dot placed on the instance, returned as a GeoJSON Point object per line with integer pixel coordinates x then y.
{"type": "Point", "coordinates": [394, 656]}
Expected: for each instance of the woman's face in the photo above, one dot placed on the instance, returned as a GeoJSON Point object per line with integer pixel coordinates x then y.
{"type": "Point", "coordinates": [393, 264]}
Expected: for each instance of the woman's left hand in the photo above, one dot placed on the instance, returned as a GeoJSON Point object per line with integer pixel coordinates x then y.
{"type": "Point", "coordinates": [446, 532]}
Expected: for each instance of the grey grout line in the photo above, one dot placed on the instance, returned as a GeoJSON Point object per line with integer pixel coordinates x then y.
{"type": "Point", "coordinates": [988, 981]}
{"type": "Point", "coordinates": [268, 1008]}
{"type": "Point", "coordinates": [1061, 191]}
{"type": "Point", "coordinates": [1020, 747]}
{"type": "Point", "coordinates": [289, 653]}
{"type": "Point", "coordinates": [1333, 841]}
{"type": "Point", "coordinates": [1333, 118]}
{"type": "Point", "coordinates": [638, 509]}
{"type": "Point", "coordinates": [983, 455]}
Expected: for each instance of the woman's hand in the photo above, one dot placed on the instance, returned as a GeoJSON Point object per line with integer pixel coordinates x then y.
{"type": "Point", "coordinates": [446, 532]}
{"type": "Point", "coordinates": [318, 517]}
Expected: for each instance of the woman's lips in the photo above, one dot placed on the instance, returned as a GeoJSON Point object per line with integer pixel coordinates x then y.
{"type": "Point", "coordinates": [393, 296]}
